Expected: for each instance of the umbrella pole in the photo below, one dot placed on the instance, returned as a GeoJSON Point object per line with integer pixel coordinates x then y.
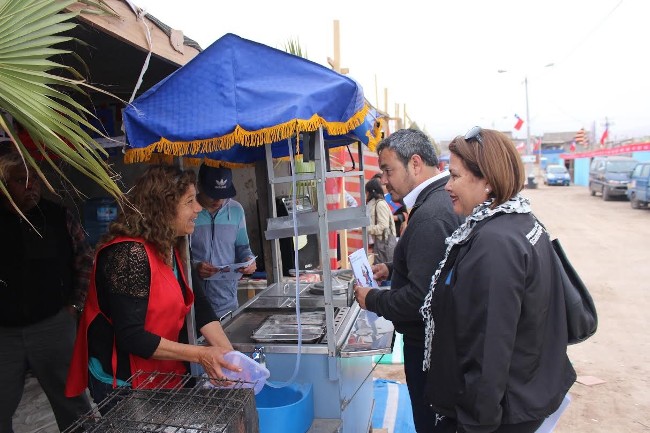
{"type": "Point", "coordinates": [190, 323]}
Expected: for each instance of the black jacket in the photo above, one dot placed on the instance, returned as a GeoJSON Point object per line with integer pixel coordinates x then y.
{"type": "Point", "coordinates": [36, 269]}
{"type": "Point", "coordinates": [416, 257]}
{"type": "Point", "coordinates": [499, 346]}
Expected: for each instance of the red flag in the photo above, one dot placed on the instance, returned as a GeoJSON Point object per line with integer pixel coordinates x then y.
{"type": "Point", "coordinates": [604, 136]}
{"type": "Point", "coordinates": [519, 123]}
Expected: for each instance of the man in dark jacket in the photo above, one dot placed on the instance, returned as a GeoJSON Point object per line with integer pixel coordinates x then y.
{"type": "Point", "coordinates": [410, 172]}
{"type": "Point", "coordinates": [44, 269]}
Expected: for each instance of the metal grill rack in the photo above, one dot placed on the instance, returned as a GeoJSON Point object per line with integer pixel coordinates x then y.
{"type": "Point", "coordinates": [176, 404]}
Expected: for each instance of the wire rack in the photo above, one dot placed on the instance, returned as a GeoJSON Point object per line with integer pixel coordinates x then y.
{"type": "Point", "coordinates": [175, 404]}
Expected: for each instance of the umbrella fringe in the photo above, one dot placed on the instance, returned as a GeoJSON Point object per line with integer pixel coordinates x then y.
{"type": "Point", "coordinates": [374, 136]}
{"type": "Point", "coordinates": [246, 138]}
{"type": "Point", "coordinates": [196, 162]}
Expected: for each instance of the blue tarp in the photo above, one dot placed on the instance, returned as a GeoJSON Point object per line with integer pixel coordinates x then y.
{"type": "Point", "coordinates": [392, 407]}
{"type": "Point", "coordinates": [238, 95]}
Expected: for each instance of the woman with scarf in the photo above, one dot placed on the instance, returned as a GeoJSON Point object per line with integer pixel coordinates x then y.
{"type": "Point", "coordinates": [496, 334]}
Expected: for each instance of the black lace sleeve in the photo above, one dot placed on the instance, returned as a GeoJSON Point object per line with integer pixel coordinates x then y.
{"type": "Point", "coordinates": [123, 269]}
{"type": "Point", "coordinates": [123, 278]}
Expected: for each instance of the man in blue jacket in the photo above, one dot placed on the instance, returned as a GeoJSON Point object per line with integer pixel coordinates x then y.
{"type": "Point", "coordinates": [219, 239]}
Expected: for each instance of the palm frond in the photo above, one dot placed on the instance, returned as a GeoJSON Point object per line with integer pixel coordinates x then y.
{"type": "Point", "coordinates": [292, 46]}
{"type": "Point", "coordinates": [42, 102]}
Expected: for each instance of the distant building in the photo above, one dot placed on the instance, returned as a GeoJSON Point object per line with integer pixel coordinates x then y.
{"type": "Point", "coordinates": [558, 141]}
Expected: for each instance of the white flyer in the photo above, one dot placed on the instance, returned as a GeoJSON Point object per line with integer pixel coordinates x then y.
{"type": "Point", "coordinates": [362, 269]}
{"type": "Point", "coordinates": [229, 272]}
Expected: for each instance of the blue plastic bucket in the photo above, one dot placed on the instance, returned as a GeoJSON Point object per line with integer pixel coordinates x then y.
{"type": "Point", "coordinates": [289, 409]}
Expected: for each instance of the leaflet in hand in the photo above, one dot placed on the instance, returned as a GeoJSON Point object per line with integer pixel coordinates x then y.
{"type": "Point", "coordinates": [362, 270]}
{"type": "Point", "coordinates": [230, 272]}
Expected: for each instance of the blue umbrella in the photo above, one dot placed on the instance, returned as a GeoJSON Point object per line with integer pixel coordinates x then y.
{"type": "Point", "coordinates": [239, 95]}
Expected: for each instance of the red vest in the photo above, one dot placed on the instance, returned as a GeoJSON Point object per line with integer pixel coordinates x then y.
{"type": "Point", "coordinates": [166, 313]}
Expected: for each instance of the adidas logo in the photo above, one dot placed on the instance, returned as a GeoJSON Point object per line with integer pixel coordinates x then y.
{"type": "Point", "coordinates": [220, 183]}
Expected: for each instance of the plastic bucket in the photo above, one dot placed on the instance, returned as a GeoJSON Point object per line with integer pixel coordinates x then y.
{"type": "Point", "coordinates": [289, 409]}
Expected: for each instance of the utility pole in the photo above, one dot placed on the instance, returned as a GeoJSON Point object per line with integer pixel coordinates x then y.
{"type": "Point", "coordinates": [335, 62]}
{"type": "Point", "coordinates": [609, 134]}
{"type": "Point", "coordinates": [386, 100]}
{"type": "Point", "coordinates": [376, 93]}
{"type": "Point", "coordinates": [398, 119]}
{"type": "Point", "coordinates": [406, 117]}
{"type": "Point", "coordinates": [528, 147]}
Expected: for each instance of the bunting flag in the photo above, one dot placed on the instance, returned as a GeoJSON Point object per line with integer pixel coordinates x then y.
{"type": "Point", "coordinates": [581, 138]}
{"type": "Point", "coordinates": [520, 122]}
{"type": "Point", "coordinates": [521, 146]}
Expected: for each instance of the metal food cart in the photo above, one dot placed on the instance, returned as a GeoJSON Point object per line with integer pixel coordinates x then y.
{"type": "Point", "coordinates": [229, 101]}
{"type": "Point", "coordinates": [339, 339]}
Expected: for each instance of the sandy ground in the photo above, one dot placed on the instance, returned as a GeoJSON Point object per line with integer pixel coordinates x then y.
{"type": "Point", "coordinates": [608, 243]}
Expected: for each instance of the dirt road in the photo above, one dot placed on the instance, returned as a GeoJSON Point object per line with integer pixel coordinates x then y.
{"type": "Point", "coordinates": [609, 245]}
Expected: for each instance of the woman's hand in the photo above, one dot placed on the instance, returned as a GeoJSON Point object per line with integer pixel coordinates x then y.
{"type": "Point", "coordinates": [212, 360]}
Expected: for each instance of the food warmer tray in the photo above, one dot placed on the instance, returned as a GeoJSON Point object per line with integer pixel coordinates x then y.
{"type": "Point", "coordinates": [282, 328]}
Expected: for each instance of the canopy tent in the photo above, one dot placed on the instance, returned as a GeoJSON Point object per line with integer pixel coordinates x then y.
{"type": "Point", "coordinates": [238, 95]}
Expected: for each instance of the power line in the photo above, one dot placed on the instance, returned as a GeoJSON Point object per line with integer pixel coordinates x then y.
{"type": "Point", "coordinates": [591, 32]}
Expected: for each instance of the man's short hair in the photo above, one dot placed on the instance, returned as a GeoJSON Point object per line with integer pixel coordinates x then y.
{"type": "Point", "coordinates": [408, 142]}
{"type": "Point", "coordinates": [9, 160]}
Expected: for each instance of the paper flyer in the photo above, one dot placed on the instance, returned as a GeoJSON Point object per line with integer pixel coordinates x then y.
{"type": "Point", "coordinates": [362, 269]}
{"type": "Point", "coordinates": [229, 272]}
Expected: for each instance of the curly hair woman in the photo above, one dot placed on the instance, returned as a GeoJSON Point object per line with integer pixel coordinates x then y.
{"type": "Point", "coordinates": [139, 296]}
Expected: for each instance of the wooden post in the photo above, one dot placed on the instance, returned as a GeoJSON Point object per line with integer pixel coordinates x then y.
{"type": "Point", "coordinates": [335, 62]}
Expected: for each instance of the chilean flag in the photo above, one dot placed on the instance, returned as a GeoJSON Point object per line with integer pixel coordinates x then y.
{"type": "Point", "coordinates": [519, 123]}
{"type": "Point", "coordinates": [604, 136]}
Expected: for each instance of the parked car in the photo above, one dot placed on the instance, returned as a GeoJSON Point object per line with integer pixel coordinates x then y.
{"type": "Point", "coordinates": [609, 175]}
{"type": "Point", "coordinates": [638, 190]}
{"type": "Point", "coordinates": [557, 175]}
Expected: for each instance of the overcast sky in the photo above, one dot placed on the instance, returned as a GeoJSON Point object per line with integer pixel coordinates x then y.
{"type": "Point", "coordinates": [441, 58]}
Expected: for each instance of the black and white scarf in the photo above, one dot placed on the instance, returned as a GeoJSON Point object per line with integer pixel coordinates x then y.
{"type": "Point", "coordinates": [517, 204]}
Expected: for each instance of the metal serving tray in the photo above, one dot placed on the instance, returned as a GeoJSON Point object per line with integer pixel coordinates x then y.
{"type": "Point", "coordinates": [283, 328]}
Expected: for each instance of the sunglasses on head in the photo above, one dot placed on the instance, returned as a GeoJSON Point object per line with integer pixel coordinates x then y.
{"type": "Point", "coordinates": [474, 134]}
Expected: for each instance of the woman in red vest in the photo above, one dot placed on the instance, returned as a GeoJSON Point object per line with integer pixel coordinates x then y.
{"type": "Point", "coordinates": [134, 317]}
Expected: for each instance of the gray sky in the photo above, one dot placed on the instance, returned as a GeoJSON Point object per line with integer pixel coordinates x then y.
{"type": "Point", "coordinates": [441, 58]}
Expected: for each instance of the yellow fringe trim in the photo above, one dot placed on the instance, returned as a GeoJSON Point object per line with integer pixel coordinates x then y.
{"type": "Point", "coordinates": [246, 138]}
{"type": "Point", "coordinates": [374, 136]}
{"type": "Point", "coordinates": [196, 162]}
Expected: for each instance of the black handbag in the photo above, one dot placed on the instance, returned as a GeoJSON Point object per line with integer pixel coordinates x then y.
{"type": "Point", "coordinates": [581, 316]}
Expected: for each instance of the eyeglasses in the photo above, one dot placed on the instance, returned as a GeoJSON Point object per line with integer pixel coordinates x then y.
{"type": "Point", "coordinates": [474, 134]}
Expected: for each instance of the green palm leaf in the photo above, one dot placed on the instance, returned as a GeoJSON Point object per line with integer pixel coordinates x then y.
{"type": "Point", "coordinates": [42, 102]}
